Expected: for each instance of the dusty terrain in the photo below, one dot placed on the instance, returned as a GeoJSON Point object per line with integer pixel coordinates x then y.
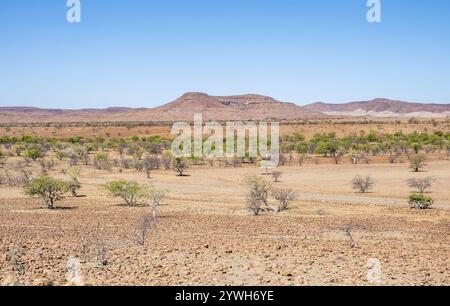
{"type": "Point", "coordinates": [205, 236]}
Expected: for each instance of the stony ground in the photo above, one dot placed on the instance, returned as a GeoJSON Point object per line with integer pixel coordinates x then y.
{"type": "Point", "coordinates": [204, 236]}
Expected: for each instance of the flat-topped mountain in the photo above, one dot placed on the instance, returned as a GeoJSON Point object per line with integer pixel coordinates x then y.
{"type": "Point", "coordinates": [243, 107]}
{"type": "Point", "coordinates": [382, 108]}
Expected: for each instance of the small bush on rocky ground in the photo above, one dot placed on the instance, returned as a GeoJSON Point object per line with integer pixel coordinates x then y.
{"type": "Point", "coordinates": [180, 165]}
{"type": "Point", "coordinates": [49, 189]}
{"type": "Point", "coordinates": [363, 184]}
{"type": "Point", "coordinates": [420, 201]}
{"type": "Point", "coordinates": [131, 192]}
{"type": "Point", "coordinates": [284, 197]}
{"type": "Point", "coordinates": [258, 196]}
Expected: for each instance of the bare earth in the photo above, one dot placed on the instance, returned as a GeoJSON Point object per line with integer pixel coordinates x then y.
{"type": "Point", "coordinates": [204, 235]}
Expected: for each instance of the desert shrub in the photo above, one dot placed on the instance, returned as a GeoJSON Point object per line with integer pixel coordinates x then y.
{"type": "Point", "coordinates": [102, 162]}
{"type": "Point", "coordinates": [74, 184]}
{"type": "Point", "coordinates": [151, 163]}
{"type": "Point", "coordinates": [60, 155]}
{"type": "Point", "coordinates": [155, 196]}
{"type": "Point", "coordinates": [417, 161]}
{"type": "Point", "coordinates": [130, 192]}
{"type": "Point", "coordinates": [180, 165]}
{"type": "Point", "coordinates": [258, 194]}
{"type": "Point", "coordinates": [125, 163]}
{"type": "Point", "coordinates": [137, 164]}
{"type": "Point", "coordinates": [363, 184]}
{"type": "Point", "coordinates": [237, 162]}
{"type": "Point", "coordinates": [166, 159]}
{"type": "Point", "coordinates": [49, 189]}
{"type": "Point", "coordinates": [2, 158]}
{"type": "Point", "coordinates": [33, 153]}
{"type": "Point", "coordinates": [284, 197]}
{"type": "Point", "coordinates": [421, 184]}
{"type": "Point", "coordinates": [420, 201]}
{"type": "Point", "coordinates": [276, 175]}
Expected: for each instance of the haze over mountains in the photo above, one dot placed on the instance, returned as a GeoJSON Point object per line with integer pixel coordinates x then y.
{"type": "Point", "coordinates": [226, 108]}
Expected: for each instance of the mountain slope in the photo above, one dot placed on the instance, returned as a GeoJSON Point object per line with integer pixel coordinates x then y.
{"type": "Point", "coordinates": [382, 108]}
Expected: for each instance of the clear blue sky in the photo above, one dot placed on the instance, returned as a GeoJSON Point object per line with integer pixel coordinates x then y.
{"type": "Point", "coordinates": [142, 53]}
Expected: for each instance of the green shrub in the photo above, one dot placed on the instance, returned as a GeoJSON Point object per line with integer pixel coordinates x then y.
{"type": "Point", "coordinates": [130, 192]}
{"type": "Point", "coordinates": [49, 189]}
{"type": "Point", "coordinates": [33, 153]}
{"type": "Point", "coordinates": [420, 201]}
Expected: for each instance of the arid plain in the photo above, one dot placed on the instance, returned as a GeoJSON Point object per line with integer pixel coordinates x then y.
{"type": "Point", "coordinates": [204, 235]}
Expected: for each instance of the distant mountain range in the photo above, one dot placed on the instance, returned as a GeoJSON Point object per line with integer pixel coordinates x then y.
{"type": "Point", "coordinates": [225, 108]}
{"type": "Point", "coordinates": [381, 108]}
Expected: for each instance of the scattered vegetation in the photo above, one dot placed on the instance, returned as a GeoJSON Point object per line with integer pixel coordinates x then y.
{"type": "Point", "coordinates": [363, 184]}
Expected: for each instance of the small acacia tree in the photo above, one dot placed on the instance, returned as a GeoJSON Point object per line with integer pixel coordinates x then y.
{"type": "Point", "coordinates": [421, 184]}
{"type": "Point", "coordinates": [276, 176]}
{"type": "Point", "coordinates": [417, 162]}
{"type": "Point", "coordinates": [130, 192]}
{"type": "Point", "coordinates": [49, 189]}
{"type": "Point", "coordinates": [180, 165]}
{"type": "Point", "coordinates": [363, 184]}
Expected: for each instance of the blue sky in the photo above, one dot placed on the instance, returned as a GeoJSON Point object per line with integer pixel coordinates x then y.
{"type": "Point", "coordinates": [143, 53]}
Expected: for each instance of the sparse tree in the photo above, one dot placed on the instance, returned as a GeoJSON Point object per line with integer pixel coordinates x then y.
{"type": "Point", "coordinates": [130, 192]}
{"type": "Point", "coordinates": [417, 161]}
{"type": "Point", "coordinates": [49, 189]}
{"type": "Point", "coordinates": [421, 184]}
{"type": "Point", "coordinates": [363, 184]}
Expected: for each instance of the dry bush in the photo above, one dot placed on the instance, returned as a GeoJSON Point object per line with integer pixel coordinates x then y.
{"type": "Point", "coordinates": [363, 184]}
{"type": "Point", "coordinates": [166, 160]}
{"type": "Point", "coordinates": [155, 196]}
{"type": "Point", "coordinates": [276, 175]}
{"type": "Point", "coordinates": [258, 194]}
{"type": "Point", "coordinates": [151, 163]}
{"type": "Point", "coordinates": [16, 262]}
{"type": "Point", "coordinates": [95, 249]}
{"type": "Point", "coordinates": [284, 197]}
{"type": "Point", "coordinates": [143, 227]}
{"type": "Point", "coordinates": [421, 184]}
{"type": "Point", "coordinates": [102, 162]}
